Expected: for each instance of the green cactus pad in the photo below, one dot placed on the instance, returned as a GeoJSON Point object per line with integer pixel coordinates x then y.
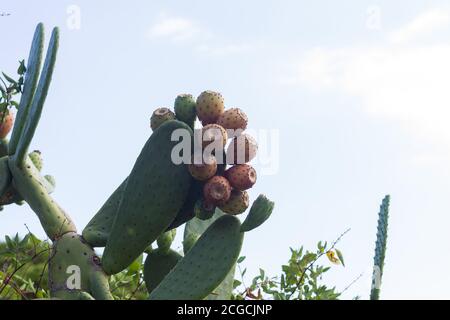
{"type": "Point", "coordinates": [70, 254]}
{"type": "Point", "coordinates": [155, 192]}
{"type": "Point", "coordinates": [260, 211]}
{"type": "Point", "coordinates": [33, 188]}
{"type": "Point", "coordinates": [225, 289]}
{"type": "Point", "coordinates": [5, 175]}
{"type": "Point", "coordinates": [186, 212]}
{"type": "Point", "coordinates": [206, 265]}
{"type": "Point", "coordinates": [3, 147]}
{"type": "Point", "coordinates": [185, 109]}
{"type": "Point", "coordinates": [97, 231]}
{"type": "Point", "coordinates": [157, 265]}
{"type": "Point", "coordinates": [192, 232]}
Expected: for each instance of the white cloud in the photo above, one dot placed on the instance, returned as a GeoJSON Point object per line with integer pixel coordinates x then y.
{"type": "Point", "coordinates": [189, 32]}
{"type": "Point", "coordinates": [175, 29]}
{"type": "Point", "coordinates": [222, 50]}
{"type": "Point", "coordinates": [425, 23]}
{"type": "Point", "coordinates": [407, 84]}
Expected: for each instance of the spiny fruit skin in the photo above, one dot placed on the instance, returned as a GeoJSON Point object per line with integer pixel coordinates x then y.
{"type": "Point", "coordinates": [237, 203]}
{"type": "Point", "coordinates": [185, 109]}
{"type": "Point", "coordinates": [233, 118]}
{"type": "Point", "coordinates": [217, 190]}
{"type": "Point", "coordinates": [205, 170]}
{"type": "Point", "coordinates": [210, 106]}
{"type": "Point", "coordinates": [160, 116]}
{"type": "Point", "coordinates": [214, 132]}
{"type": "Point", "coordinates": [7, 124]}
{"type": "Point", "coordinates": [36, 158]}
{"type": "Point", "coordinates": [242, 149]}
{"type": "Point", "coordinates": [241, 176]}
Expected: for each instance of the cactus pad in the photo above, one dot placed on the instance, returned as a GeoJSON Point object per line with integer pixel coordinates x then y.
{"type": "Point", "coordinates": [206, 265]}
{"type": "Point", "coordinates": [155, 192]}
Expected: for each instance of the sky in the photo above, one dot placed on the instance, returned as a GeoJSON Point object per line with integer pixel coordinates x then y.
{"type": "Point", "coordinates": [353, 94]}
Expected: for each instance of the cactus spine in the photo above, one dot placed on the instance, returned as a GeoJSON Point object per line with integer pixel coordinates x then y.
{"type": "Point", "coordinates": [380, 248]}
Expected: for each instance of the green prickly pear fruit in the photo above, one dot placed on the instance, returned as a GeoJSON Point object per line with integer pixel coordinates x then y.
{"type": "Point", "coordinates": [241, 176]}
{"type": "Point", "coordinates": [210, 106]}
{"type": "Point", "coordinates": [242, 149]}
{"type": "Point", "coordinates": [155, 192]}
{"type": "Point", "coordinates": [6, 123]}
{"type": "Point", "coordinates": [237, 203]}
{"type": "Point", "coordinates": [157, 265]}
{"type": "Point", "coordinates": [160, 116]}
{"type": "Point", "coordinates": [36, 158]}
{"type": "Point", "coordinates": [185, 109]}
{"type": "Point", "coordinates": [217, 190]}
{"type": "Point", "coordinates": [213, 132]}
{"type": "Point", "coordinates": [234, 119]}
{"type": "Point", "coordinates": [214, 254]}
{"type": "Point", "coordinates": [260, 211]}
{"type": "Point", "coordinates": [204, 210]}
{"type": "Point", "coordinates": [205, 170]}
{"type": "Point", "coordinates": [165, 240]}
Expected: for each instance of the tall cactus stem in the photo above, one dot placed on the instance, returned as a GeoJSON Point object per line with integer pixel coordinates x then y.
{"type": "Point", "coordinates": [380, 248]}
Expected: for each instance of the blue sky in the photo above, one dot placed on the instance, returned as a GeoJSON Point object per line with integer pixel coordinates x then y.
{"type": "Point", "coordinates": [356, 90]}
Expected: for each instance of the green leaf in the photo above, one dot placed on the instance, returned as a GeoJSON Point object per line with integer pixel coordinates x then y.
{"type": "Point", "coordinates": [136, 265]}
{"type": "Point", "coordinates": [340, 256]}
{"type": "Point", "coordinates": [241, 259]}
{"type": "Point", "coordinates": [9, 79]}
{"type": "Point", "coordinates": [9, 242]}
{"type": "Point", "coordinates": [22, 69]}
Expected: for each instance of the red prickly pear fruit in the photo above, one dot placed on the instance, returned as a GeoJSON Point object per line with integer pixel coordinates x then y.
{"type": "Point", "coordinates": [160, 116]}
{"type": "Point", "coordinates": [237, 203]}
{"type": "Point", "coordinates": [204, 170]}
{"type": "Point", "coordinates": [210, 106]}
{"type": "Point", "coordinates": [242, 149]}
{"type": "Point", "coordinates": [214, 132]}
{"type": "Point", "coordinates": [7, 123]}
{"type": "Point", "coordinates": [233, 119]}
{"type": "Point", "coordinates": [217, 190]}
{"type": "Point", "coordinates": [241, 176]}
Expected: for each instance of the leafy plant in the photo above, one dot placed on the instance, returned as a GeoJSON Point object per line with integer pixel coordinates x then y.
{"type": "Point", "coordinates": [301, 277]}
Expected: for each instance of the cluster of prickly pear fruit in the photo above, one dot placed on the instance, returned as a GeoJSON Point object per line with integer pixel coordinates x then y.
{"type": "Point", "coordinates": [225, 189]}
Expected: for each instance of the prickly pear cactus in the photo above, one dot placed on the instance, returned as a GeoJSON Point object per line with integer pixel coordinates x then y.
{"type": "Point", "coordinates": [157, 197]}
